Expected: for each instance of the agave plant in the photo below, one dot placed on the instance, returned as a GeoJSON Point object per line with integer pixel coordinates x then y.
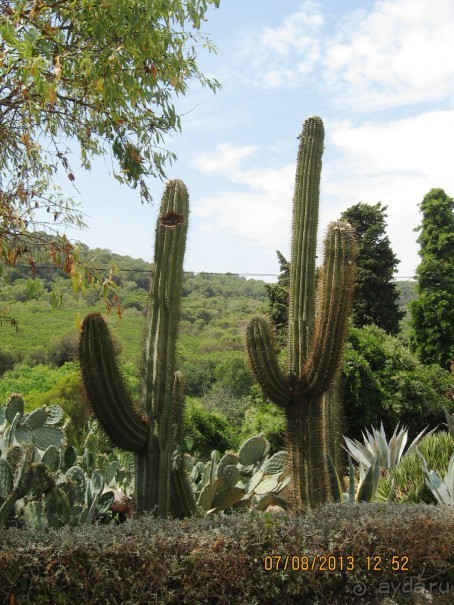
{"type": "Point", "coordinates": [450, 422]}
{"type": "Point", "coordinates": [442, 489]}
{"type": "Point", "coordinates": [376, 446]}
{"type": "Point", "coordinates": [366, 488]}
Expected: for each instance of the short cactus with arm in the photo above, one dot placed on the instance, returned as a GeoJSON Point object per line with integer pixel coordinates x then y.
{"type": "Point", "coordinates": [318, 321]}
{"type": "Point", "coordinates": [152, 429]}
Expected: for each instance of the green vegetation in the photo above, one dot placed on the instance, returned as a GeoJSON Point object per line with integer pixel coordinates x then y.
{"type": "Point", "coordinates": [385, 382]}
{"type": "Point", "coordinates": [375, 300]}
{"type": "Point", "coordinates": [102, 75]}
{"type": "Point", "coordinates": [433, 311]}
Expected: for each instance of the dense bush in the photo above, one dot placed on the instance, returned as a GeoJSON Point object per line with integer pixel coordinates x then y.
{"type": "Point", "coordinates": [208, 430]}
{"type": "Point", "coordinates": [7, 361]}
{"type": "Point", "coordinates": [64, 348]}
{"type": "Point", "coordinates": [408, 476]}
{"type": "Point", "coordinates": [32, 382]}
{"type": "Point", "coordinates": [385, 382]}
{"type": "Point", "coordinates": [221, 560]}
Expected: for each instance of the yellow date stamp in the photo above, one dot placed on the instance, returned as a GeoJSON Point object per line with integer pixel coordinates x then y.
{"type": "Point", "coordinates": [376, 563]}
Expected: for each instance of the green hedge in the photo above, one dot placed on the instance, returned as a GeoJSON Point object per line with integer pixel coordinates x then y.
{"type": "Point", "coordinates": [221, 560]}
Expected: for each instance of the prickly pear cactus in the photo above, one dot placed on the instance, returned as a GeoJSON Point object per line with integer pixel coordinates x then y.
{"type": "Point", "coordinates": [38, 427]}
{"type": "Point", "coordinates": [41, 483]}
{"type": "Point", "coordinates": [249, 479]}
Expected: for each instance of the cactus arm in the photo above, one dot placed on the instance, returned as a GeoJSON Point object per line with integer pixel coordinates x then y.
{"type": "Point", "coordinates": [165, 298]}
{"type": "Point", "coordinates": [182, 501]}
{"type": "Point", "coordinates": [158, 387]}
{"type": "Point", "coordinates": [335, 298]}
{"type": "Point", "coordinates": [304, 242]}
{"type": "Point", "coordinates": [107, 394]}
{"type": "Point", "coordinates": [264, 362]}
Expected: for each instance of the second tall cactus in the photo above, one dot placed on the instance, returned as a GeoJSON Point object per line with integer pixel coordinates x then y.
{"type": "Point", "coordinates": [153, 429]}
{"type": "Point", "coordinates": [318, 320]}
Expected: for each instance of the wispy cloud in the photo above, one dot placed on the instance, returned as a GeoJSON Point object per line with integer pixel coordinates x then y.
{"type": "Point", "coordinates": [396, 163]}
{"type": "Point", "coordinates": [395, 54]}
{"type": "Point", "coordinates": [261, 211]}
{"type": "Point", "coordinates": [223, 159]}
{"type": "Point", "coordinates": [283, 55]}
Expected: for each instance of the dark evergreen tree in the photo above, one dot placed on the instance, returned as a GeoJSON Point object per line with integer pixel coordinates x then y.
{"type": "Point", "coordinates": [376, 298]}
{"type": "Point", "coordinates": [433, 311]}
{"type": "Point", "coordinates": [278, 299]}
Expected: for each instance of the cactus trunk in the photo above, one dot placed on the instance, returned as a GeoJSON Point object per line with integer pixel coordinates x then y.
{"type": "Point", "coordinates": [318, 320]}
{"type": "Point", "coordinates": [152, 430]}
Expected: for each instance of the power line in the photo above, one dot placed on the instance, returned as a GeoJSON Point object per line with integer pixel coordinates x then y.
{"type": "Point", "coordinates": [238, 273]}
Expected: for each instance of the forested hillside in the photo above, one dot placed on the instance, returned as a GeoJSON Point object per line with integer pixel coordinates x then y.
{"type": "Point", "coordinates": [223, 404]}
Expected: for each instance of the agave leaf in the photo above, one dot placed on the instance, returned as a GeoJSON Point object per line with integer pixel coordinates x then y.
{"type": "Point", "coordinates": [351, 480]}
{"type": "Point", "coordinates": [369, 485]}
{"type": "Point", "coordinates": [449, 421]}
{"type": "Point", "coordinates": [396, 447]}
{"type": "Point", "coordinates": [382, 446]}
{"type": "Point", "coordinates": [418, 438]}
{"type": "Point", "coordinates": [334, 482]}
{"type": "Point", "coordinates": [359, 452]}
{"type": "Point", "coordinates": [449, 479]}
{"type": "Point", "coordinates": [438, 487]}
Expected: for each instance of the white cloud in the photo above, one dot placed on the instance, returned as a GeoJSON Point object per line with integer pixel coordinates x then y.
{"type": "Point", "coordinates": [260, 213]}
{"type": "Point", "coordinates": [396, 54]}
{"type": "Point", "coordinates": [225, 158]}
{"type": "Point", "coordinates": [396, 163]}
{"type": "Point", "coordinates": [282, 56]}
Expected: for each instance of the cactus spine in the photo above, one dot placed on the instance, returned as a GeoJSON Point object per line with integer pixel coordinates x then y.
{"type": "Point", "coordinates": [152, 432]}
{"type": "Point", "coordinates": [318, 320]}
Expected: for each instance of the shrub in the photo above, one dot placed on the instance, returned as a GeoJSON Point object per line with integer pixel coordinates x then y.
{"type": "Point", "coordinates": [408, 476]}
{"type": "Point", "coordinates": [208, 430]}
{"type": "Point", "coordinates": [385, 382]}
{"type": "Point", "coordinates": [64, 348]}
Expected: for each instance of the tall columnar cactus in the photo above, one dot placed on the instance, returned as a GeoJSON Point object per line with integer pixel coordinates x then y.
{"type": "Point", "coordinates": [151, 430]}
{"type": "Point", "coordinates": [318, 319]}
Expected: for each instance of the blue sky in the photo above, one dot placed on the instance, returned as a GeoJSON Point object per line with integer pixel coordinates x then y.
{"type": "Point", "coordinates": [381, 76]}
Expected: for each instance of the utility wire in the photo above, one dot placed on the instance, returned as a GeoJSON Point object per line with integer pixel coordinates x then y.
{"type": "Point", "coordinates": [239, 273]}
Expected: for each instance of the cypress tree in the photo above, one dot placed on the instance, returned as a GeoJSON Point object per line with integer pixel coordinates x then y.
{"type": "Point", "coordinates": [433, 310]}
{"type": "Point", "coordinates": [376, 298]}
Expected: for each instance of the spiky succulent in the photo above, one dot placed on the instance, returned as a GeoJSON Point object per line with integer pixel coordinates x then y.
{"type": "Point", "coordinates": [318, 319]}
{"type": "Point", "coordinates": [152, 429]}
